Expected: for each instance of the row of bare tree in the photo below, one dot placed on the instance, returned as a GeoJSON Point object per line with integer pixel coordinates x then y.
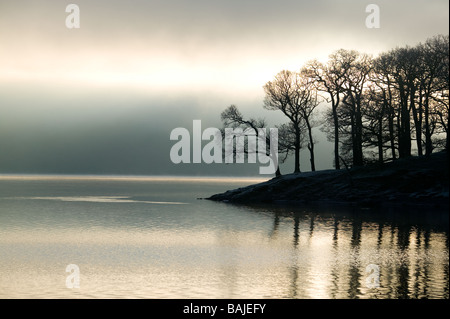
{"type": "Point", "coordinates": [376, 107]}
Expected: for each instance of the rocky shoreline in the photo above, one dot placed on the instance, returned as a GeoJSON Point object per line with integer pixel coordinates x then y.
{"type": "Point", "coordinates": [412, 181]}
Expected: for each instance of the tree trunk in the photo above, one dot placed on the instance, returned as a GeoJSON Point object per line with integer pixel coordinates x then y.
{"type": "Point", "coordinates": [358, 154]}
{"type": "Point", "coordinates": [297, 149]}
{"type": "Point", "coordinates": [336, 138]}
{"type": "Point", "coordinates": [353, 137]}
{"type": "Point", "coordinates": [448, 127]}
{"type": "Point", "coordinates": [380, 141]}
{"type": "Point", "coordinates": [417, 116]}
{"type": "Point", "coordinates": [278, 172]}
{"type": "Point", "coordinates": [311, 146]}
{"type": "Point", "coordinates": [392, 135]}
{"type": "Point", "coordinates": [404, 132]}
{"type": "Point", "coordinates": [356, 127]}
{"type": "Point", "coordinates": [428, 141]}
{"type": "Point", "coordinates": [391, 115]}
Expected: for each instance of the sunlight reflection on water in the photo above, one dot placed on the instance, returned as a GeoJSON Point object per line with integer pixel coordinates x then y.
{"type": "Point", "coordinates": [130, 241]}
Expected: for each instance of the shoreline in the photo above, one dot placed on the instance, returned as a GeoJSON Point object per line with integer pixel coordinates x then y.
{"type": "Point", "coordinates": [415, 181]}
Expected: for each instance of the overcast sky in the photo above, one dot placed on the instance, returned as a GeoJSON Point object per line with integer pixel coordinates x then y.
{"type": "Point", "coordinates": [103, 98]}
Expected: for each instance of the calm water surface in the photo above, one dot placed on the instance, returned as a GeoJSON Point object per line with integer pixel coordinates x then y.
{"type": "Point", "coordinates": [152, 238]}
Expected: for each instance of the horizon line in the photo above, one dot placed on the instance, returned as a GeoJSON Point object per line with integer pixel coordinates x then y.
{"type": "Point", "coordinates": [49, 176]}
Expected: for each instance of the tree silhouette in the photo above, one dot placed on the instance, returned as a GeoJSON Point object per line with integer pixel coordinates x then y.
{"type": "Point", "coordinates": [232, 117]}
{"type": "Point", "coordinates": [377, 106]}
{"type": "Point", "coordinates": [329, 79]}
{"type": "Point", "coordinates": [294, 94]}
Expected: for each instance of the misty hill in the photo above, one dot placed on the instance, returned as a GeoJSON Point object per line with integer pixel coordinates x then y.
{"type": "Point", "coordinates": [415, 180]}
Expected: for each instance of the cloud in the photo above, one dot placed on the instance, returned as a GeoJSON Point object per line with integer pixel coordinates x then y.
{"type": "Point", "coordinates": [174, 44]}
{"type": "Point", "coordinates": [103, 98]}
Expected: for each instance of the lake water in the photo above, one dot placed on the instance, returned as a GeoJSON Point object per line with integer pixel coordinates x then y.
{"type": "Point", "coordinates": [152, 238]}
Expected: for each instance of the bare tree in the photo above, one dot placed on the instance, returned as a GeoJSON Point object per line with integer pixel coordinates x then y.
{"type": "Point", "coordinates": [382, 78]}
{"type": "Point", "coordinates": [294, 94]}
{"type": "Point", "coordinates": [286, 140]}
{"type": "Point", "coordinates": [415, 82]}
{"type": "Point", "coordinates": [330, 80]}
{"type": "Point", "coordinates": [307, 111]}
{"type": "Point", "coordinates": [377, 105]}
{"type": "Point", "coordinates": [355, 81]}
{"type": "Point", "coordinates": [442, 94]}
{"type": "Point", "coordinates": [232, 117]}
{"type": "Point", "coordinates": [376, 120]}
{"type": "Point", "coordinates": [433, 61]}
{"type": "Point", "coordinates": [403, 70]}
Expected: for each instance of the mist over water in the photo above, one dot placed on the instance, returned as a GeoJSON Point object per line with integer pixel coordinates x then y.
{"type": "Point", "coordinates": [123, 132]}
{"type": "Point", "coordinates": [152, 238]}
